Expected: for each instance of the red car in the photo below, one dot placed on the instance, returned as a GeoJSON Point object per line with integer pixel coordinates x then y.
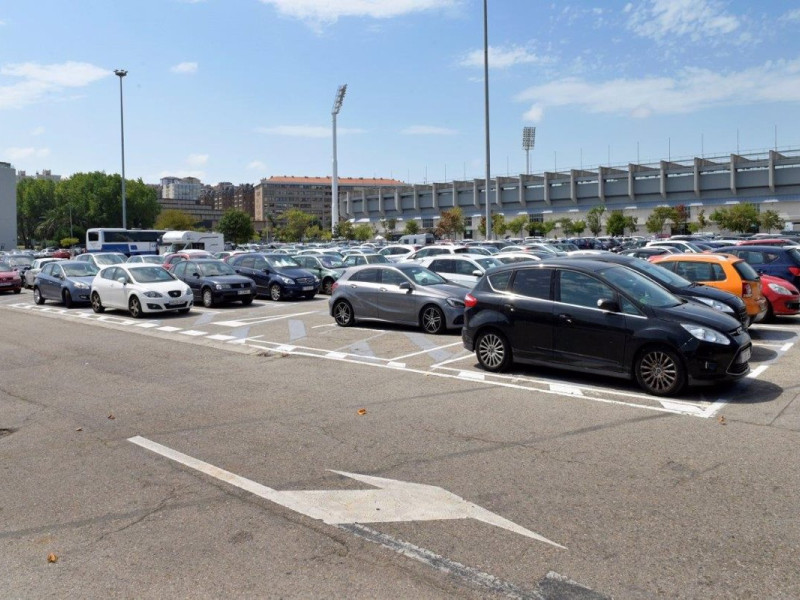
{"type": "Point", "coordinates": [783, 297]}
{"type": "Point", "coordinates": [10, 280]}
{"type": "Point", "coordinates": [176, 257]}
{"type": "Point", "coordinates": [62, 253]}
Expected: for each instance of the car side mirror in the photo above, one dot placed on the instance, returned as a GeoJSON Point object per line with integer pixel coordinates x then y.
{"type": "Point", "coordinates": [122, 280]}
{"type": "Point", "coordinates": [406, 286]}
{"type": "Point", "coordinates": [477, 273]}
{"type": "Point", "coordinates": [195, 274]}
{"type": "Point", "coordinates": [608, 305]}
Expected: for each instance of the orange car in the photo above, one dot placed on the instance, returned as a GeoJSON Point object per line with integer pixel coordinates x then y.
{"type": "Point", "coordinates": [723, 271]}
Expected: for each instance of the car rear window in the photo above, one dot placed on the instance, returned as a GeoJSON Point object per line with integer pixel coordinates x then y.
{"type": "Point", "coordinates": [794, 255]}
{"type": "Point", "coordinates": [745, 271]}
{"type": "Point", "coordinates": [533, 283]}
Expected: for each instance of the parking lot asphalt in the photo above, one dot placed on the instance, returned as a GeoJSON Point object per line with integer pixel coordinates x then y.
{"type": "Point", "coordinates": [157, 450]}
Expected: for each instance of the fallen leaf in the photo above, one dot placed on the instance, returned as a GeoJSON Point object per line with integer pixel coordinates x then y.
{"type": "Point", "coordinates": [79, 429]}
{"type": "Point", "coordinates": [722, 420]}
{"type": "Point", "coordinates": [51, 558]}
{"type": "Point", "coordinates": [112, 417]}
{"type": "Point", "coordinates": [362, 411]}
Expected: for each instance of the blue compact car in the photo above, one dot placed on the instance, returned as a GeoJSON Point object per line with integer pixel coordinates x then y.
{"type": "Point", "coordinates": [67, 281]}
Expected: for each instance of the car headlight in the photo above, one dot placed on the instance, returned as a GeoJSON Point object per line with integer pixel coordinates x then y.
{"type": "Point", "coordinates": [706, 334]}
{"type": "Point", "coordinates": [223, 286]}
{"type": "Point", "coordinates": [780, 289]}
{"type": "Point", "coordinates": [715, 304]}
{"type": "Point", "coordinates": [152, 294]}
{"type": "Point", "coordinates": [286, 280]}
{"type": "Point", "coordinates": [187, 291]}
{"type": "Point", "coordinates": [81, 286]}
{"type": "Point", "coordinates": [455, 302]}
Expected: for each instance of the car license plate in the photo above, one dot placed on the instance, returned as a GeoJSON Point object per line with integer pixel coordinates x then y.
{"type": "Point", "coordinates": [744, 356]}
{"type": "Point", "coordinates": [244, 292]}
{"type": "Point", "coordinates": [308, 288]}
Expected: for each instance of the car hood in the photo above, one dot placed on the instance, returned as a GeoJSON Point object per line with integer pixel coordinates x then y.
{"type": "Point", "coordinates": [294, 272]}
{"type": "Point", "coordinates": [707, 291]}
{"type": "Point", "coordinates": [702, 315]}
{"type": "Point", "coordinates": [87, 280]}
{"type": "Point", "coordinates": [446, 290]}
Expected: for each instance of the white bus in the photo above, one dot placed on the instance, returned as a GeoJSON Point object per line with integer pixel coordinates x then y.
{"type": "Point", "coordinates": [127, 241]}
{"type": "Point", "coordinates": [175, 241]}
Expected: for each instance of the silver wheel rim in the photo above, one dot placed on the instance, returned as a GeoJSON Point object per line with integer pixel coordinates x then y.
{"type": "Point", "coordinates": [275, 292]}
{"type": "Point", "coordinates": [342, 314]}
{"type": "Point", "coordinates": [208, 301]}
{"type": "Point", "coordinates": [135, 307]}
{"type": "Point", "coordinates": [491, 350]}
{"type": "Point", "coordinates": [658, 371]}
{"type": "Point", "coordinates": [431, 320]}
{"type": "Point", "coordinates": [95, 302]}
{"type": "Point", "coordinates": [37, 295]}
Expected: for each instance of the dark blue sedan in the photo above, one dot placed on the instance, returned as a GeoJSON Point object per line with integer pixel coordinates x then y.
{"type": "Point", "coordinates": [276, 275]}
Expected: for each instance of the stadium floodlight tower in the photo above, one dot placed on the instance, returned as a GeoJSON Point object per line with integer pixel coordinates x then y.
{"type": "Point", "coordinates": [528, 142]}
{"type": "Point", "coordinates": [121, 73]}
{"type": "Point", "coordinates": [337, 106]}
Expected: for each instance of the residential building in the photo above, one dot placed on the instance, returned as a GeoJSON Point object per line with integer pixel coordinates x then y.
{"type": "Point", "coordinates": [181, 188]}
{"type": "Point", "coordinates": [45, 174]}
{"type": "Point", "coordinates": [8, 206]}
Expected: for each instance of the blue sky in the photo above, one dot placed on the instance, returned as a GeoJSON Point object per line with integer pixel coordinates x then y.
{"type": "Point", "coordinates": [237, 90]}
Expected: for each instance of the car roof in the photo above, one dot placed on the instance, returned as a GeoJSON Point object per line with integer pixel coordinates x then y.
{"type": "Point", "coordinates": [699, 257]}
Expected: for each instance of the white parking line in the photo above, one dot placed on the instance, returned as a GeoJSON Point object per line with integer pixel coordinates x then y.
{"type": "Point", "coordinates": [257, 320]}
{"type": "Point", "coordinates": [786, 347]}
{"type": "Point", "coordinates": [193, 333]}
{"type": "Point", "coordinates": [169, 328]}
{"type": "Point", "coordinates": [452, 360]}
{"type": "Point", "coordinates": [221, 338]}
{"type": "Point", "coordinates": [757, 371]}
{"type": "Point", "coordinates": [427, 350]}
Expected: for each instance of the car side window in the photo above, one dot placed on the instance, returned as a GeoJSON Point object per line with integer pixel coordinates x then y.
{"type": "Point", "coordinates": [499, 281]}
{"type": "Point", "coordinates": [366, 276]}
{"type": "Point", "coordinates": [717, 272]}
{"type": "Point", "coordinates": [180, 269]}
{"type": "Point", "coordinates": [770, 257]}
{"type": "Point", "coordinates": [442, 265]}
{"type": "Point", "coordinates": [260, 264]}
{"type": "Point", "coordinates": [582, 289]}
{"type": "Point", "coordinates": [48, 269]}
{"type": "Point", "coordinates": [110, 273]}
{"type": "Point", "coordinates": [392, 277]}
{"type": "Point", "coordinates": [533, 283]}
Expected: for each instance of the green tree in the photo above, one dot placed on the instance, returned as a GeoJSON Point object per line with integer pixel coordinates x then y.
{"type": "Point", "coordinates": [236, 226]}
{"type": "Point", "coordinates": [659, 217]}
{"type": "Point", "coordinates": [615, 223]}
{"type": "Point", "coordinates": [742, 218]}
{"type": "Point", "coordinates": [391, 223]}
{"type": "Point", "coordinates": [578, 227]}
{"type": "Point", "coordinates": [362, 232]}
{"type": "Point", "coordinates": [630, 224]}
{"type": "Point", "coordinates": [68, 242]}
{"type": "Point", "coordinates": [314, 232]}
{"type": "Point", "coordinates": [517, 224]}
{"type": "Point", "coordinates": [343, 230]}
{"type": "Point", "coordinates": [297, 223]}
{"type": "Point", "coordinates": [498, 225]}
{"type": "Point", "coordinates": [175, 219]}
{"type": "Point", "coordinates": [35, 198]}
{"type": "Point", "coordinates": [412, 227]}
{"type": "Point", "coordinates": [451, 223]}
{"type": "Point", "coordinates": [771, 220]}
{"type": "Point", "coordinates": [566, 225]}
{"type": "Point", "coordinates": [594, 219]}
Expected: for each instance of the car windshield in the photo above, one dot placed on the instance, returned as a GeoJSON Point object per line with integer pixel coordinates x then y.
{"type": "Point", "coordinates": [661, 274]}
{"type": "Point", "coordinates": [4, 266]}
{"type": "Point", "coordinates": [150, 259]}
{"type": "Point", "coordinates": [82, 269]}
{"type": "Point", "coordinates": [488, 263]}
{"type": "Point", "coordinates": [20, 261]}
{"type": "Point", "coordinates": [109, 259]}
{"type": "Point", "coordinates": [745, 271]}
{"type": "Point", "coordinates": [376, 258]}
{"type": "Point", "coordinates": [151, 274]}
{"type": "Point", "coordinates": [331, 262]}
{"type": "Point", "coordinates": [423, 276]}
{"type": "Point", "coordinates": [277, 262]}
{"type": "Point", "coordinates": [639, 287]}
{"type": "Point", "coordinates": [794, 253]}
{"type": "Point", "coordinates": [215, 269]}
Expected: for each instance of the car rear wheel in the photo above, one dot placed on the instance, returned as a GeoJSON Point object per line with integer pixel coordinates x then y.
{"type": "Point", "coordinates": [275, 292]}
{"type": "Point", "coordinates": [183, 311]}
{"type": "Point", "coordinates": [327, 287]}
{"type": "Point", "coordinates": [135, 307]}
{"type": "Point", "coordinates": [343, 313]}
{"type": "Point", "coordinates": [432, 319]}
{"type": "Point", "coordinates": [208, 298]}
{"type": "Point", "coordinates": [247, 301]}
{"type": "Point", "coordinates": [37, 295]}
{"type": "Point", "coordinates": [310, 295]}
{"type": "Point", "coordinates": [660, 372]}
{"type": "Point", "coordinates": [493, 351]}
{"type": "Point", "coordinates": [97, 305]}
{"type": "Point", "coordinates": [67, 298]}
{"type": "Point", "coordinates": [770, 316]}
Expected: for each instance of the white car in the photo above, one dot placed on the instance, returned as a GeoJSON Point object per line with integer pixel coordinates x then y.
{"type": "Point", "coordinates": [460, 268]}
{"type": "Point", "coordinates": [139, 289]}
{"type": "Point", "coordinates": [398, 252]}
{"type": "Point", "coordinates": [151, 259]}
{"type": "Point", "coordinates": [514, 257]}
{"type": "Point", "coordinates": [682, 245]}
{"type": "Point", "coordinates": [36, 267]}
{"type": "Point", "coordinates": [102, 259]}
{"type": "Point", "coordinates": [436, 250]}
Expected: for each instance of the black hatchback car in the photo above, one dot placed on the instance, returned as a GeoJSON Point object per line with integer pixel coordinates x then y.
{"type": "Point", "coordinates": [214, 282]}
{"type": "Point", "coordinates": [721, 300]}
{"type": "Point", "coordinates": [276, 275]}
{"type": "Point", "coordinates": [595, 317]}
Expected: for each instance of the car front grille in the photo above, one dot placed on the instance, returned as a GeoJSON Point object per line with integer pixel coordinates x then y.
{"type": "Point", "coordinates": [305, 280]}
{"type": "Point", "coordinates": [175, 293]}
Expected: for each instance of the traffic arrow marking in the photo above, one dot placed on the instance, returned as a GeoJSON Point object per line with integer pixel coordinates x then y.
{"type": "Point", "coordinates": [392, 501]}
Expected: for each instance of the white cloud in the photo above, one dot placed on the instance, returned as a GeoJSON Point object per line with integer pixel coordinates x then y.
{"type": "Point", "coordinates": [39, 80]}
{"type": "Point", "coordinates": [197, 160]}
{"type": "Point", "coordinates": [256, 165]}
{"type": "Point", "coordinates": [23, 153]}
{"type": "Point", "coordinates": [428, 130]}
{"type": "Point", "coordinates": [792, 15]}
{"type": "Point", "coordinates": [665, 20]}
{"type": "Point", "coordinates": [38, 130]}
{"type": "Point", "coordinates": [329, 11]}
{"type": "Point", "coordinates": [691, 90]}
{"type": "Point", "coordinates": [186, 68]}
{"type": "Point", "coordinates": [503, 58]}
{"type": "Point", "coordinates": [307, 131]}
{"type": "Point", "coordinates": [534, 113]}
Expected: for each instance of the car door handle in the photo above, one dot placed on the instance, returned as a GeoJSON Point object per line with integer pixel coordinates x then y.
{"type": "Point", "coordinates": [565, 318]}
{"type": "Point", "coordinates": [508, 307]}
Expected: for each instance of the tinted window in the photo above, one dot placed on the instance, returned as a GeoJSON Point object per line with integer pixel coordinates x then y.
{"type": "Point", "coordinates": [639, 287]}
{"type": "Point", "coordinates": [392, 277]}
{"type": "Point", "coordinates": [249, 262]}
{"type": "Point", "coordinates": [423, 276]}
{"type": "Point", "coordinates": [442, 265]}
{"type": "Point", "coordinates": [151, 274]}
{"type": "Point", "coordinates": [533, 283]}
{"type": "Point", "coordinates": [215, 269]}
{"type": "Point", "coordinates": [180, 269]}
{"type": "Point", "coordinates": [366, 276]}
{"type": "Point", "coordinates": [80, 270]}
{"type": "Point", "coordinates": [499, 281]}
{"type": "Point", "coordinates": [582, 290]}
{"type": "Point", "coordinates": [108, 273]}
{"type": "Point", "coordinates": [794, 255]}
{"type": "Point", "coordinates": [745, 271]}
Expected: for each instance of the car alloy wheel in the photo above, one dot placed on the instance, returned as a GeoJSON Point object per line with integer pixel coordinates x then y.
{"type": "Point", "coordinates": [208, 298]}
{"type": "Point", "coordinates": [343, 314]}
{"type": "Point", "coordinates": [135, 307]}
{"type": "Point", "coordinates": [327, 287]}
{"type": "Point", "coordinates": [660, 372]}
{"type": "Point", "coordinates": [433, 319]}
{"type": "Point", "coordinates": [493, 351]}
{"type": "Point", "coordinates": [275, 292]}
{"type": "Point", "coordinates": [97, 306]}
{"type": "Point", "coordinates": [37, 295]}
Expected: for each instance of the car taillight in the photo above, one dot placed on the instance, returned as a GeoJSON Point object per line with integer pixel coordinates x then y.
{"type": "Point", "coordinates": [334, 286]}
{"type": "Point", "coordinates": [747, 290]}
{"type": "Point", "coordinates": [470, 301]}
{"type": "Point", "coordinates": [795, 271]}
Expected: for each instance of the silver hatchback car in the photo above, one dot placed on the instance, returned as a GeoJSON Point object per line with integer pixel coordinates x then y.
{"type": "Point", "coordinates": [403, 293]}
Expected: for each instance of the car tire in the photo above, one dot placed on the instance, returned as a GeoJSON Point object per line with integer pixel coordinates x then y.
{"type": "Point", "coordinates": [135, 307]}
{"type": "Point", "coordinates": [37, 295]}
{"type": "Point", "coordinates": [18, 290]}
{"type": "Point", "coordinates": [493, 351]}
{"type": "Point", "coordinates": [208, 298]}
{"type": "Point", "coordinates": [327, 287]}
{"type": "Point", "coordinates": [309, 295]}
{"type": "Point", "coordinates": [432, 319]}
{"type": "Point", "coordinates": [660, 371]}
{"type": "Point", "coordinates": [343, 314]}
{"type": "Point", "coordinates": [247, 301]}
{"type": "Point", "coordinates": [97, 305]}
{"type": "Point", "coordinates": [770, 316]}
{"type": "Point", "coordinates": [66, 298]}
{"type": "Point", "coordinates": [183, 311]}
{"type": "Point", "coordinates": [275, 292]}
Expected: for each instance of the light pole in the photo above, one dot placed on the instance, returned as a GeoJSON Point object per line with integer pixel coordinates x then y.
{"type": "Point", "coordinates": [337, 106]}
{"type": "Point", "coordinates": [528, 142]}
{"type": "Point", "coordinates": [486, 110]}
{"type": "Point", "coordinates": [121, 73]}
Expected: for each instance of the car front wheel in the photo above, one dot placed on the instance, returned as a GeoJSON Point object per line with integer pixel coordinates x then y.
{"type": "Point", "coordinates": [97, 305]}
{"type": "Point", "coordinates": [37, 295]}
{"type": "Point", "coordinates": [135, 307]}
{"type": "Point", "coordinates": [432, 319]}
{"type": "Point", "coordinates": [67, 298]}
{"type": "Point", "coordinates": [208, 298]}
{"type": "Point", "coordinates": [275, 292]}
{"type": "Point", "coordinates": [343, 314]}
{"type": "Point", "coordinates": [493, 351]}
{"type": "Point", "coordinates": [660, 372]}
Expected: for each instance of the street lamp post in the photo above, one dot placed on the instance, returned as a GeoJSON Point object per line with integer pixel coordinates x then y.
{"type": "Point", "coordinates": [121, 73]}
{"type": "Point", "coordinates": [337, 106]}
{"type": "Point", "coordinates": [486, 111]}
{"type": "Point", "coordinates": [528, 142]}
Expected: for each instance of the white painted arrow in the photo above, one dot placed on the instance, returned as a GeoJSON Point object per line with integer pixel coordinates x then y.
{"type": "Point", "coordinates": [392, 501]}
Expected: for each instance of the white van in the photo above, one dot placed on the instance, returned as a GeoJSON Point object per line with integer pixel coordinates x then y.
{"type": "Point", "coordinates": [417, 239]}
{"type": "Point", "coordinates": [176, 241]}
